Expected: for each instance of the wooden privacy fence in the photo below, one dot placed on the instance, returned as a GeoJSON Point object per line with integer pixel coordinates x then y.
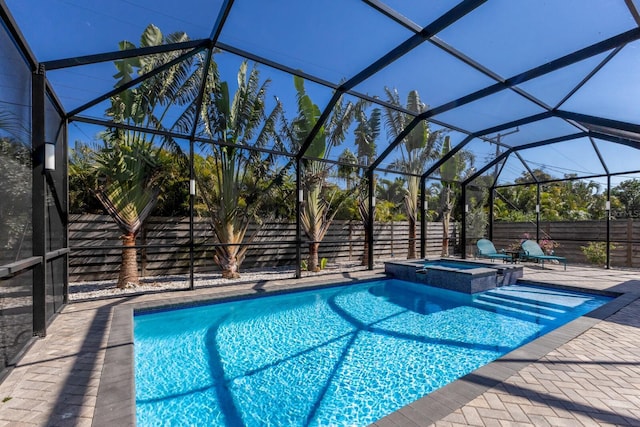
{"type": "Point", "coordinates": [572, 235]}
{"type": "Point", "coordinates": [96, 247]}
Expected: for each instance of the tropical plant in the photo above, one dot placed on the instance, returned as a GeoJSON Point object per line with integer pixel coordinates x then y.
{"type": "Point", "coordinates": [321, 201]}
{"type": "Point", "coordinates": [596, 252]}
{"type": "Point", "coordinates": [416, 149]}
{"type": "Point", "coordinates": [449, 171]}
{"type": "Point", "coordinates": [83, 180]}
{"type": "Point", "coordinates": [129, 162]}
{"type": "Point", "coordinates": [128, 171]}
{"type": "Point", "coordinates": [15, 164]}
{"type": "Point", "coordinates": [231, 179]}
{"type": "Point", "coordinates": [628, 194]}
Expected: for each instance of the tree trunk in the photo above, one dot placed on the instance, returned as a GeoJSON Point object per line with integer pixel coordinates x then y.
{"type": "Point", "coordinates": [129, 268]}
{"type": "Point", "coordinates": [446, 219]}
{"type": "Point", "coordinates": [312, 262]}
{"type": "Point", "coordinates": [226, 258]}
{"type": "Point", "coordinates": [412, 238]}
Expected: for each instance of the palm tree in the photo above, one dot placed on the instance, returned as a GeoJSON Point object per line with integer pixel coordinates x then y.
{"type": "Point", "coordinates": [320, 201]}
{"type": "Point", "coordinates": [416, 149]}
{"type": "Point", "coordinates": [128, 165]}
{"type": "Point", "coordinates": [367, 132]}
{"type": "Point", "coordinates": [230, 177]}
{"type": "Point", "coordinates": [347, 169]}
{"type": "Point", "coordinates": [129, 171]}
{"type": "Point", "coordinates": [457, 167]}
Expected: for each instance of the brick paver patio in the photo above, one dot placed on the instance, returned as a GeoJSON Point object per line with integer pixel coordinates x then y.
{"type": "Point", "coordinates": [591, 379]}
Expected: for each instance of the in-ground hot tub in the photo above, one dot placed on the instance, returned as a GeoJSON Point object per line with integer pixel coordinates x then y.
{"type": "Point", "coordinates": [457, 275]}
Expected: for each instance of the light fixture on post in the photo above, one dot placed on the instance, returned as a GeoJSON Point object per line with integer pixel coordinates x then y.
{"type": "Point", "coordinates": [537, 209]}
{"type": "Point", "coordinates": [192, 187]}
{"type": "Point", "coordinates": [373, 201]}
{"type": "Point", "coordinates": [49, 156]}
{"type": "Point", "coordinates": [607, 205]}
{"type": "Point", "coordinates": [301, 195]}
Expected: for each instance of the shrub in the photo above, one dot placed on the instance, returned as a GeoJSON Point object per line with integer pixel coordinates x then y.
{"type": "Point", "coordinates": [596, 252]}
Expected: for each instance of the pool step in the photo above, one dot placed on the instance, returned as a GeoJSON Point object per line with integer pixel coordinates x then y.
{"type": "Point", "coordinates": [527, 315]}
{"type": "Point", "coordinates": [522, 304]}
{"type": "Point", "coordinates": [504, 294]}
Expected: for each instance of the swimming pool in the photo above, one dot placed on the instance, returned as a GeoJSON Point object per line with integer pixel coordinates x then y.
{"type": "Point", "coordinates": [345, 355]}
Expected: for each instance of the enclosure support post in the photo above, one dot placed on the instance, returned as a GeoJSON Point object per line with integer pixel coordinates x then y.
{"type": "Point", "coordinates": [299, 202]}
{"type": "Point", "coordinates": [423, 217]}
{"type": "Point", "coordinates": [538, 212]}
{"type": "Point", "coordinates": [492, 199]}
{"type": "Point", "coordinates": [463, 230]}
{"type": "Point", "coordinates": [192, 196]}
{"type": "Point", "coordinates": [608, 212]}
{"type": "Point", "coordinates": [372, 217]}
{"type": "Point", "coordinates": [38, 99]}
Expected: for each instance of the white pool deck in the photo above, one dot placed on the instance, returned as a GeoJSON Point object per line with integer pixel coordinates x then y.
{"type": "Point", "coordinates": [586, 374]}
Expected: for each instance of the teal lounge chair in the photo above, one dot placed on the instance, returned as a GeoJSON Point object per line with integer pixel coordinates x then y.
{"type": "Point", "coordinates": [487, 250]}
{"type": "Point", "coordinates": [533, 251]}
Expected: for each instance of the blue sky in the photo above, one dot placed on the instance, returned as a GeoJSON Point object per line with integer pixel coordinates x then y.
{"type": "Point", "coordinates": [335, 39]}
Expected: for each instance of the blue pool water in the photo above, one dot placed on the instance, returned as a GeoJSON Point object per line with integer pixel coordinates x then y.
{"type": "Point", "coordinates": [340, 356]}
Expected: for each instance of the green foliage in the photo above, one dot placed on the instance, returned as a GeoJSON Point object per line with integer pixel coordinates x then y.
{"type": "Point", "coordinates": [15, 192]}
{"type": "Point", "coordinates": [628, 194]}
{"type": "Point", "coordinates": [323, 263]}
{"type": "Point", "coordinates": [128, 170]}
{"type": "Point", "coordinates": [570, 200]}
{"type": "Point", "coordinates": [83, 180]}
{"type": "Point", "coordinates": [596, 252]}
{"type": "Point", "coordinates": [321, 200]}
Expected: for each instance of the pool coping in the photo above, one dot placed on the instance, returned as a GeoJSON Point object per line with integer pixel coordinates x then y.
{"type": "Point", "coordinates": [115, 400]}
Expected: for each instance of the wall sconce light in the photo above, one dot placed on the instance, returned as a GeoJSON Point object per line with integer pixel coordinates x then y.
{"type": "Point", "coordinates": [373, 201]}
{"type": "Point", "coordinates": [607, 205]}
{"type": "Point", "coordinates": [537, 208]}
{"type": "Point", "coordinates": [301, 194]}
{"type": "Point", "coordinates": [192, 187]}
{"type": "Point", "coordinates": [466, 208]}
{"type": "Point", "coordinates": [49, 156]}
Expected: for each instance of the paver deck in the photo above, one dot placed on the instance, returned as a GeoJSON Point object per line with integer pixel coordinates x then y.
{"type": "Point", "coordinates": [591, 375]}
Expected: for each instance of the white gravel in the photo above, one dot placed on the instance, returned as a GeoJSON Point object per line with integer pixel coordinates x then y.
{"type": "Point", "coordinates": [79, 291]}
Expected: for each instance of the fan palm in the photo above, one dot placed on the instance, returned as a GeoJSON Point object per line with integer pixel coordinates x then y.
{"type": "Point", "coordinates": [230, 177]}
{"type": "Point", "coordinates": [416, 149]}
{"type": "Point", "coordinates": [128, 165]}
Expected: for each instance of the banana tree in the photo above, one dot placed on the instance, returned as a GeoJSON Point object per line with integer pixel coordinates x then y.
{"type": "Point", "coordinates": [231, 178]}
{"type": "Point", "coordinates": [321, 201]}
{"type": "Point", "coordinates": [416, 149]}
{"type": "Point", "coordinates": [128, 164]}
